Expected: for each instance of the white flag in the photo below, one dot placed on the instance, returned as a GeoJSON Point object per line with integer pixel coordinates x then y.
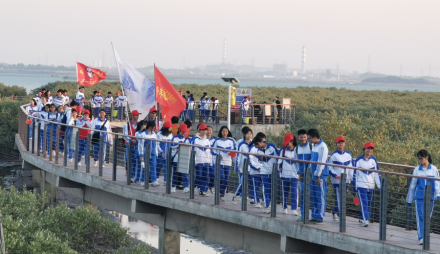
{"type": "Point", "coordinates": [140, 91]}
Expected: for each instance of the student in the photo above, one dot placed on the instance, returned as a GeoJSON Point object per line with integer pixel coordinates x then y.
{"type": "Point", "coordinates": [152, 116]}
{"type": "Point", "coordinates": [32, 109]}
{"type": "Point", "coordinates": [49, 97]}
{"type": "Point", "coordinates": [191, 107]}
{"type": "Point", "coordinates": [211, 174]}
{"type": "Point", "coordinates": [188, 97]}
{"type": "Point", "coordinates": [319, 174]}
{"type": "Point", "coordinates": [183, 113]}
{"type": "Point", "coordinates": [215, 104]}
{"type": "Point", "coordinates": [42, 103]}
{"type": "Point", "coordinates": [203, 159]}
{"type": "Point", "coordinates": [45, 116]}
{"type": "Point", "coordinates": [303, 152]}
{"type": "Point", "coordinates": [108, 103]}
{"type": "Point", "coordinates": [188, 123]}
{"type": "Point", "coordinates": [363, 181]}
{"type": "Point", "coordinates": [344, 158]}
{"type": "Point", "coordinates": [245, 106]}
{"type": "Point", "coordinates": [164, 135]}
{"type": "Point", "coordinates": [266, 170]}
{"type": "Point", "coordinates": [243, 146]}
{"type": "Point", "coordinates": [207, 108]}
{"type": "Point", "coordinates": [99, 100]}
{"type": "Point", "coordinates": [417, 188]}
{"type": "Point", "coordinates": [51, 116]}
{"type": "Point", "coordinates": [59, 100]}
{"type": "Point", "coordinates": [179, 138]}
{"type": "Point", "coordinates": [66, 97]}
{"type": "Point", "coordinates": [94, 104]}
{"type": "Point", "coordinates": [101, 123]}
{"type": "Point", "coordinates": [130, 129]}
{"type": "Point", "coordinates": [255, 165]}
{"type": "Point", "coordinates": [224, 141]}
{"type": "Point", "coordinates": [79, 97]}
{"type": "Point", "coordinates": [289, 173]}
{"type": "Point", "coordinates": [86, 123]}
{"type": "Point", "coordinates": [37, 98]}
{"type": "Point", "coordinates": [120, 105]}
{"type": "Point", "coordinates": [57, 127]}
{"type": "Point", "coordinates": [154, 151]}
{"type": "Point", "coordinates": [175, 125]}
{"type": "Point", "coordinates": [70, 143]}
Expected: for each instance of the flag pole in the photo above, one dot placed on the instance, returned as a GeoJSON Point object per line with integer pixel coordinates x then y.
{"type": "Point", "coordinates": [77, 81]}
{"type": "Point", "coordinates": [157, 104]}
{"type": "Point", "coordinates": [120, 80]}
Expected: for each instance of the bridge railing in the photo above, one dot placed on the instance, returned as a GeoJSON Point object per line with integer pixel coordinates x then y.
{"type": "Point", "coordinates": [213, 176]}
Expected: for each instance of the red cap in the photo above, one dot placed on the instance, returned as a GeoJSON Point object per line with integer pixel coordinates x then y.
{"type": "Point", "coordinates": [135, 113]}
{"type": "Point", "coordinates": [86, 112]}
{"type": "Point", "coordinates": [203, 127]}
{"type": "Point", "coordinates": [153, 109]}
{"type": "Point", "coordinates": [215, 97]}
{"type": "Point", "coordinates": [287, 138]}
{"type": "Point", "coordinates": [181, 91]}
{"type": "Point", "coordinates": [118, 92]}
{"type": "Point", "coordinates": [74, 110]}
{"type": "Point", "coordinates": [249, 96]}
{"type": "Point", "coordinates": [340, 138]}
{"type": "Point", "coordinates": [167, 125]}
{"type": "Point", "coordinates": [368, 145]}
{"type": "Point", "coordinates": [99, 91]}
{"type": "Point", "coordinates": [183, 127]}
{"type": "Point", "coordinates": [79, 108]}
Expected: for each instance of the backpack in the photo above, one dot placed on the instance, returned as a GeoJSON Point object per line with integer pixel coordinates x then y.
{"type": "Point", "coordinates": [64, 121]}
{"type": "Point", "coordinates": [96, 135]}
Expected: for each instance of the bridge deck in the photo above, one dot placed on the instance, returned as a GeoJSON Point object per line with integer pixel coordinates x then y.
{"type": "Point", "coordinates": [395, 235]}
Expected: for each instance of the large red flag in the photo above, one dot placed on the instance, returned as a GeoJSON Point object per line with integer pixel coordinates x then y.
{"type": "Point", "coordinates": [171, 102]}
{"type": "Point", "coordinates": [88, 76]}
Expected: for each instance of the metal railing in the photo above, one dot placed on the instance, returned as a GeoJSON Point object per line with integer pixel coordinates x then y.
{"type": "Point", "coordinates": [213, 174]}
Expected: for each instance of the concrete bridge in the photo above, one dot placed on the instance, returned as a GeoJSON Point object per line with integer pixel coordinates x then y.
{"type": "Point", "coordinates": [252, 231]}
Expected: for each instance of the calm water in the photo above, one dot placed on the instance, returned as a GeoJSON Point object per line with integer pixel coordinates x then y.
{"type": "Point", "coordinates": [33, 80]}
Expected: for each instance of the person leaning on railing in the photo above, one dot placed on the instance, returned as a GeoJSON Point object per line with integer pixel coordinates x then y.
{"type": "Point", "coordinates": [363, 181]}
{"type": "Point", "coordinates": [417, 188]}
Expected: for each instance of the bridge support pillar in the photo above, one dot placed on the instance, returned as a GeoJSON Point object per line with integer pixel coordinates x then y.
{"type": "Point", "coordinates": [292, 245]}
{"type": "Point", "coordinates": [169, 241]}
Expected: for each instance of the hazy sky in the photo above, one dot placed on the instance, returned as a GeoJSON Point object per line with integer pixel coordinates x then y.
{"type": "Point", "coordinates": [191, 32]}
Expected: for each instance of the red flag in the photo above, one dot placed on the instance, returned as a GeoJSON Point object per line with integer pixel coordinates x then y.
{"type": "Point", "coordinates": [88, 76]}
{"type": "Point", "coordinates": [171, 102]}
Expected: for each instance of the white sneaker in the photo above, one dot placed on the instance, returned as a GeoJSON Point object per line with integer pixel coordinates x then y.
{"type": "Point", "coordinates": [335, 217]}
{"type": "Point", "coordinates": [70, 160]}
{"type": "Point", "coordinates": [222, 199]}
{"type": "Point", "coordinates": [285, 211]}
{"type": "Point", "coordinates": [103, 165]}
{"type": "Point", "coordinates": [173, 189]}
{"type": "Point", "coordinates": [204, 194]}
{"type": "Point", "coordinates": [41, 150]}
{"type": "Point", "coordinates": [96, 163]}
{"type": "Point", "coordinates": [365, 223]}
{"type": "Point", "coordinates": [258, 205]}
{"type": "Point", "coordinates": [142, 183]}
{"type": "Point", "coordinates": [79, 164]}
{"type": "Point", "coordinates": [421, 242]}
{"type": "Point", "coordinates": [155, 184]}
{"type": "Point", "coordinates": [54, 153]}
{"type": "Point", "coordinates": [83, 156]}
{"type": "Point", "coordinates": [267, 209]}
{"type": "Point", "coordinates": [186, 190]}
{"type": "Point", "coordinates": [295, 212]}
{"type": "Point", "coordinates": [165, 183]}
{"type": "Point", "coordinates": [61, 154]}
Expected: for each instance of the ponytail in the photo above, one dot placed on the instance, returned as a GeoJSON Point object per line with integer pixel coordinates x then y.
{"type": "Point", "coordinates": [424, 153]}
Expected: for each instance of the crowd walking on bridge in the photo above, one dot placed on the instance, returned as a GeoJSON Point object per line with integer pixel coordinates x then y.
{"type": "Point", "coordinates": [306, 146]}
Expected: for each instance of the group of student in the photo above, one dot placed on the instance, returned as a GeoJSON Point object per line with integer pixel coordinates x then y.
{"type": "Point", "coordinates": [97, 101]}
{"type": "Point", "coordinates": [208, 107]}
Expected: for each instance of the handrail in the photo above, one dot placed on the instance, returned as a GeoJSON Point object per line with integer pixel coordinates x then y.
{"type": "Point", "coordinates": [259, 155]}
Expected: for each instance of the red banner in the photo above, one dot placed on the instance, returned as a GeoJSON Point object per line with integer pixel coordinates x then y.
{"type": "Point", "coordinates": [88, 76]}
{"type": "Point", "coordinates": [170, 100]}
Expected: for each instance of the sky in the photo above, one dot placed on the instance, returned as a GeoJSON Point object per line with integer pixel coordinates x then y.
{"type": "Point", "coordinates": [177, 34]}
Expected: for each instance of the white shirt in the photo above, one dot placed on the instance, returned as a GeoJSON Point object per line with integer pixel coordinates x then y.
{"type": "Point", "coordinates": [267, 167]}
{"type": "Point", "coordinates": [364, 179]}
{"type": "Point", "coordinates": [227, 143]}
{"type": "Point", "coordinates": [79, 97]}
{"type": "Point", "coordinates": [340, 158]}
{"type": "Point", "coordinates": [203, 155]}
{"type": "Point", "coordinates": [175, 148]}
{"type": "Point", "coordinates": [108, 101]}
{"type": "Point", "coordinates": [290, 168]}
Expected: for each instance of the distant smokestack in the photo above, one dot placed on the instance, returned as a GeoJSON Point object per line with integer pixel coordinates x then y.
{"type": "Point", "coordinates": [224, 51]}
{"type": "Point", "coordinates": [303, 64]}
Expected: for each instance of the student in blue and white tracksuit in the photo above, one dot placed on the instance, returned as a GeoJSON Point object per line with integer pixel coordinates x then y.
{"type": "Point", "coordinates": [154, 152]}
{"type": "Point", "coordinates": [130, 129]}
{"type": "Point", "coordinates": [363, 181]}
{"type": "Point", "coordinates": [255, 165]}
{"type": "Point", "coordinates": [72, 120]}
{"type": "Point", "coordinates": [417, 188]}
{"type": "Point", "coordinates": [245, 106]}
{"type": "Point", "coordinates": [243, 146]}
{"type": "Point", "coordinates": [203, 159]}
{"type": "Point", "coordinates": [179, 138]}
{"type": "Point", "coordinates": [289, 173]}
{"type": "Point", "coordinates": [108, 101]}
{"type": "Point", "coordinates": [211, 174]}
{"type": "Point", "coordinates": [99, 100]}
{"type": "Point", "coordinates": [101, 123]}
{"type": "Point", "coordinates": [207, 109]}
{"type": "Point", "coordinates": [164, 134]}
{"type": "Point", "coordinates": [319, 174]}
{"type": "Point", "coordinates": [191, 108]}
{"type": "Point", "coordinates": [95, 105]}
{"type": "Point", "coordinates": [57, 127]}
{"type": "Point", "coordinates": [202, 107]}
{"type": "Point", "coordinates": [224, 141]}
{"type": "Point", "coordinates": [52, 115]}
{"type": "Point", "coordinates": [45, 116]}
{"type": "Point", "coordinates": [32, 109]}
{"type": "Point", "coordinates": [215, 105]}
{"type": "Point", "coordinates": [79, 97]}
{"type": "Point", "coordinates": [120, 105]}
{"type": "Point", "coordinates": [343, 158]}
{"type": "Point", "coordinates": [303, 152]}
{"type": "Point", "coordinates": [59, 99]}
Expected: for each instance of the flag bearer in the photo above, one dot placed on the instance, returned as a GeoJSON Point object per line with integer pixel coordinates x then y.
{"type": "Point", "coordinates": [319, 174]}
{"type": "Point", "coordinates": [154, 151]}
{"type": "Point", "coordinates": [344, 158]}
{"type": "Point", "coordinates": [363, 181]}
{"type": "Point", "coordinates": [108, 103]}
{"type": "Point", "coordinates": [164, 134]}
{"type": "Point", "coordinates": [225, 141]}
{"type": "Point", "coordinates": [303, 152]}
{"type": "Point", "coordinates": [86, 123]}
{"type": "Point", "coordinates": [203, 159]}
{"type": "Point", "coordinates": [417, 188]}
{"type": "Point", "coordinates": [101, 123]}
{"type": "Point", "coordinates": [289, 174]}
{"type": "Point", "coordinates": [179, 138]}
{"type": "Point", "coordinates": [243, 146]}
{"type": "Point", "coordinates": [130, 130]}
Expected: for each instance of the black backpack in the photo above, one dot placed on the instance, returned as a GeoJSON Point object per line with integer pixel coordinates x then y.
{"type": "Point", "coordinates": [96, 135]}
{"type": "Point", "coordinates": [64, 121]}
